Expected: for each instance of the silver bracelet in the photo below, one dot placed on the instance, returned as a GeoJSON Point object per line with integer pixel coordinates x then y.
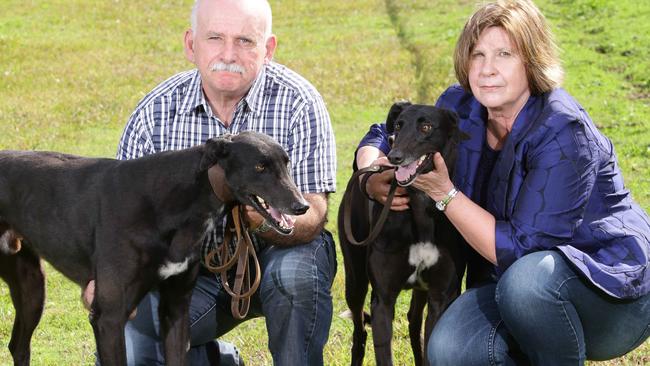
{"type": "Point", "coordinates": [442, 204]}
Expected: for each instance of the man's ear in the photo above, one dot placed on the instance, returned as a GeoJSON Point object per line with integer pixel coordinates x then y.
{"type": "Point", "coordinates": [394, 112]}
{"type": "Point", "coordinates": [188, 45]}
{"type": "Point", "coordinates": [271, 44]}
{"type": "Point", "coordinates": [214, 150]}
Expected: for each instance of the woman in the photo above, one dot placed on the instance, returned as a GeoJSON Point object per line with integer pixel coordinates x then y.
{"type": "Point", "coordinates": [541, 197]}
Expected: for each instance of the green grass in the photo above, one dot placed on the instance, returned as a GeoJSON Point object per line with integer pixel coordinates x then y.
{"type": "Point", "coordinates": [72, 71]}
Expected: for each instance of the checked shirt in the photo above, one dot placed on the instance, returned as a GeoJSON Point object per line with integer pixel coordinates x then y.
{"type": "Point", "coordinates": [280, 103]}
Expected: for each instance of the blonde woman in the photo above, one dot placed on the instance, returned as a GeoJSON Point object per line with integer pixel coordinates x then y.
{"type": "Point", "coordinates": [541, 198]}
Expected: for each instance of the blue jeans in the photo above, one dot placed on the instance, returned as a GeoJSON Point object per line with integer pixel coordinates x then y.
{"type": "Point", "coordinates": [294, 296]}
{"type": "Point", "coordinates": [541, 312]}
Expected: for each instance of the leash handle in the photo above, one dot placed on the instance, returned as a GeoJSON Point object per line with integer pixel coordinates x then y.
{"type": "Point", "coordinates": [243, 288]}
{"type": "Point", "coordinates": [347, 204]}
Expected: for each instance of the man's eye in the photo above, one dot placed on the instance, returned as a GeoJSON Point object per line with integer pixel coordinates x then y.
{"type": "Point", "coordinates": [245, 42]}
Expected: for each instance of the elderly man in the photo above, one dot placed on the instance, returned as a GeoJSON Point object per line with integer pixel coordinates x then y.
{"type": "Point", "coordinates": [235, 87]}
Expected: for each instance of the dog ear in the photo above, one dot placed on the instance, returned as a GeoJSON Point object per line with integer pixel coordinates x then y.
{"type": "Point", "coordinates": [395, 111]}
{"type": "Point", "coordinates": [213, 150]}
{"type": "Point", "coordinates": [456, 135]}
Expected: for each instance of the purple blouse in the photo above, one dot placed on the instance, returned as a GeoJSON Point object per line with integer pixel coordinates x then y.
{"type": "Point", "coordinates": [556, 184]}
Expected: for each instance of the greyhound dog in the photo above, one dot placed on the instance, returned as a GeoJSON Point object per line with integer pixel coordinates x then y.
{"type": "Point", "coordinates": [417, 248]}
{"type": "Point", "coordinates": [131, 226]}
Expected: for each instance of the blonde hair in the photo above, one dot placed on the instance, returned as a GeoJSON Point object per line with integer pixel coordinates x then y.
{"type": "Point", "coordinates": [527, 29]}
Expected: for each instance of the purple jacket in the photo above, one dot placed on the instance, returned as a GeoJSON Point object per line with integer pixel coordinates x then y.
{"type": "Point", "coordinates": [556, 185]}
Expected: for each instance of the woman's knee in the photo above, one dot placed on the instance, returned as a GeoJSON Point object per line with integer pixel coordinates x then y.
{"type": "Point", "coordinates": [445, 346]}
{"type": "Point", "coordinates": [530, 281]}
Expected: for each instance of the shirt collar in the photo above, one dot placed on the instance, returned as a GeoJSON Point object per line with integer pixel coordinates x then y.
{"type": "Point", "coordinates": [195, 97]}
{"type": "Point", "coordinates": [255, 95]}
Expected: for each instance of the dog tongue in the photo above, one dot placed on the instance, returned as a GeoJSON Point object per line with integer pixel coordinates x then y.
{"type": "Point", "coordinates": [284, 220]}
{"type": "Point", "coordinates": [403, 173]}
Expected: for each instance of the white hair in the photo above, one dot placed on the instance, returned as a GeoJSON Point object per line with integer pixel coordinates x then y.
{"type": "Point", "coordinates": [264, 8]}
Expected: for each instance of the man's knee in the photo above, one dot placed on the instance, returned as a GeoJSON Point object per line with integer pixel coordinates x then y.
{"type": "Point", "coordinates": [298, 273]}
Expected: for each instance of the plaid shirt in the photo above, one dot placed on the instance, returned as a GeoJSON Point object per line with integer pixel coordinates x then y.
{"type": "Point", "coordinates": [280, 103]}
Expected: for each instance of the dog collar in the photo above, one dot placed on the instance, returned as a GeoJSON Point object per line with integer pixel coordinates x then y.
{"type": "Point", "coordinates": [217, 178]}
{"type": "Point", "coordinates": [442, 204]}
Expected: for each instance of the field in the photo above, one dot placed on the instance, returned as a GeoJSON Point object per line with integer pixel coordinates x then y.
{"type": "Point", "coordinates": [71, 72]}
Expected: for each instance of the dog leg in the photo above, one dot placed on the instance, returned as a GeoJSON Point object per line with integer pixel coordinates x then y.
{"type": "Point", "coordinates": [383, 312]}
{"type": "Point", "coordinates": [418, 301]}
{"type": "Point", "coordinates": [24, 275]}
{"type": "Point", "coordinates": [109, 314]}
{"type": "Point", "coordinates": [356, 288]}
{"type": "Point", "coordinates": [175, 296]}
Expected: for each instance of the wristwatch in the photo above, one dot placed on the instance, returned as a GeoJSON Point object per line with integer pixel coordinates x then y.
{"type": "Point", "coordinates": [442, 204]}
{"type": "Point", "coordinates": [262, 228]}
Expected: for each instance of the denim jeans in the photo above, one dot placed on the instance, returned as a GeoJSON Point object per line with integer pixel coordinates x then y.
{"type": "Point", "coordinates": [294, 297]}
{"type": "Point", "coordinates": [541, 312]}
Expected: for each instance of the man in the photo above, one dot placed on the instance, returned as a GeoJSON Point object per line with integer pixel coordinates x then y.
{"type": "Point", "coordinates": [236, 86]}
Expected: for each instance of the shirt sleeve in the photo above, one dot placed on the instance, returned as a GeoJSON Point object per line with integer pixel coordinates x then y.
{"type": "Point", "coordinates": [312, 149]}
{"type": "Point", "coordinates": [376, 136]}
{"type": "Point", "coordinates": [560, 174]}
{"type": "Point", "coordinates": [136, 139]}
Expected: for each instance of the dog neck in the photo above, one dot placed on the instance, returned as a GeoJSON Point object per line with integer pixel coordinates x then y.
{"type": "Point", "coordinates": [217, 179]}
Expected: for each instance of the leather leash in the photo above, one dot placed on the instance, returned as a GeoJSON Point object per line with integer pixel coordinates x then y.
{"type": "Point", "coordinates": [375, 227]}
{"type": "Point", "coordinates": [242, 289]}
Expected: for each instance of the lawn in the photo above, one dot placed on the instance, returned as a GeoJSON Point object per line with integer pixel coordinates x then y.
{"type": "Point", "coordinates": [71, 72]}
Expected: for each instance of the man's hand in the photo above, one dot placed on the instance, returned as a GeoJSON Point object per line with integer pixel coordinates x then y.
{"type": "Point", "coordinates": [253, 218]}
{"type": "Point", "coordinates": [88, 296]}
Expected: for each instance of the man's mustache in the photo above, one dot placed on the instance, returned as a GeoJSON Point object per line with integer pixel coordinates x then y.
{"type": "Point", "coordinates": [232, 67]}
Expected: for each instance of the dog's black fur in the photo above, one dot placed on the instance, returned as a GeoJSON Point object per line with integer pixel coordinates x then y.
{"type": "Point", "coordinates": [130, 225]}
{"type": "Point", "coordinates": [420, 131]}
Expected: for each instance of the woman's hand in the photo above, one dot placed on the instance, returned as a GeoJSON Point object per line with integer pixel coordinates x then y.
{"type": "Point", "coordinates": [436, 184]}
{"type": "Point", "coordinates": [378, 187]}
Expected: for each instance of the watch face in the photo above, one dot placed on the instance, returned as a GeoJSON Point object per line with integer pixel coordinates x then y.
{"type": "Point", "coordinates": [440, 205]}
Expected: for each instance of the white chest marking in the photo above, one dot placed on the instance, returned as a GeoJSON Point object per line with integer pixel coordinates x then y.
{"type": "Point", "coordinates": [422, 256]}
{"type": "Point", "coordinates": [171, 269]}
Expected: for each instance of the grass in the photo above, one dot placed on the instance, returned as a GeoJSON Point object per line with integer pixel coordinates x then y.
{"type": "Point", "coordinates": [72, 71]}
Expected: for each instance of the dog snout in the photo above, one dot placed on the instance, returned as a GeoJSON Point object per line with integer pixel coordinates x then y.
{"type": "Point", "coordinates": [396, 157]}
{"type": "Point", "coordinates": [299, 208]}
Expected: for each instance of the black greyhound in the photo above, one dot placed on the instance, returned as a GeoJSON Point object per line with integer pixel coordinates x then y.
{"type": "Point", "coordinates": [417, 249]}
{"type": "Point", "coordinates": [130, 225]}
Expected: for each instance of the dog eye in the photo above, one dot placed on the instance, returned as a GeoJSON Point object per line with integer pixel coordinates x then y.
{"type": "Point", "coordinates": [259, 167]}
{"type": "Point", "coordinates": [425, 128]}
{"type": "Point", "coordinates": [398, 125]}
